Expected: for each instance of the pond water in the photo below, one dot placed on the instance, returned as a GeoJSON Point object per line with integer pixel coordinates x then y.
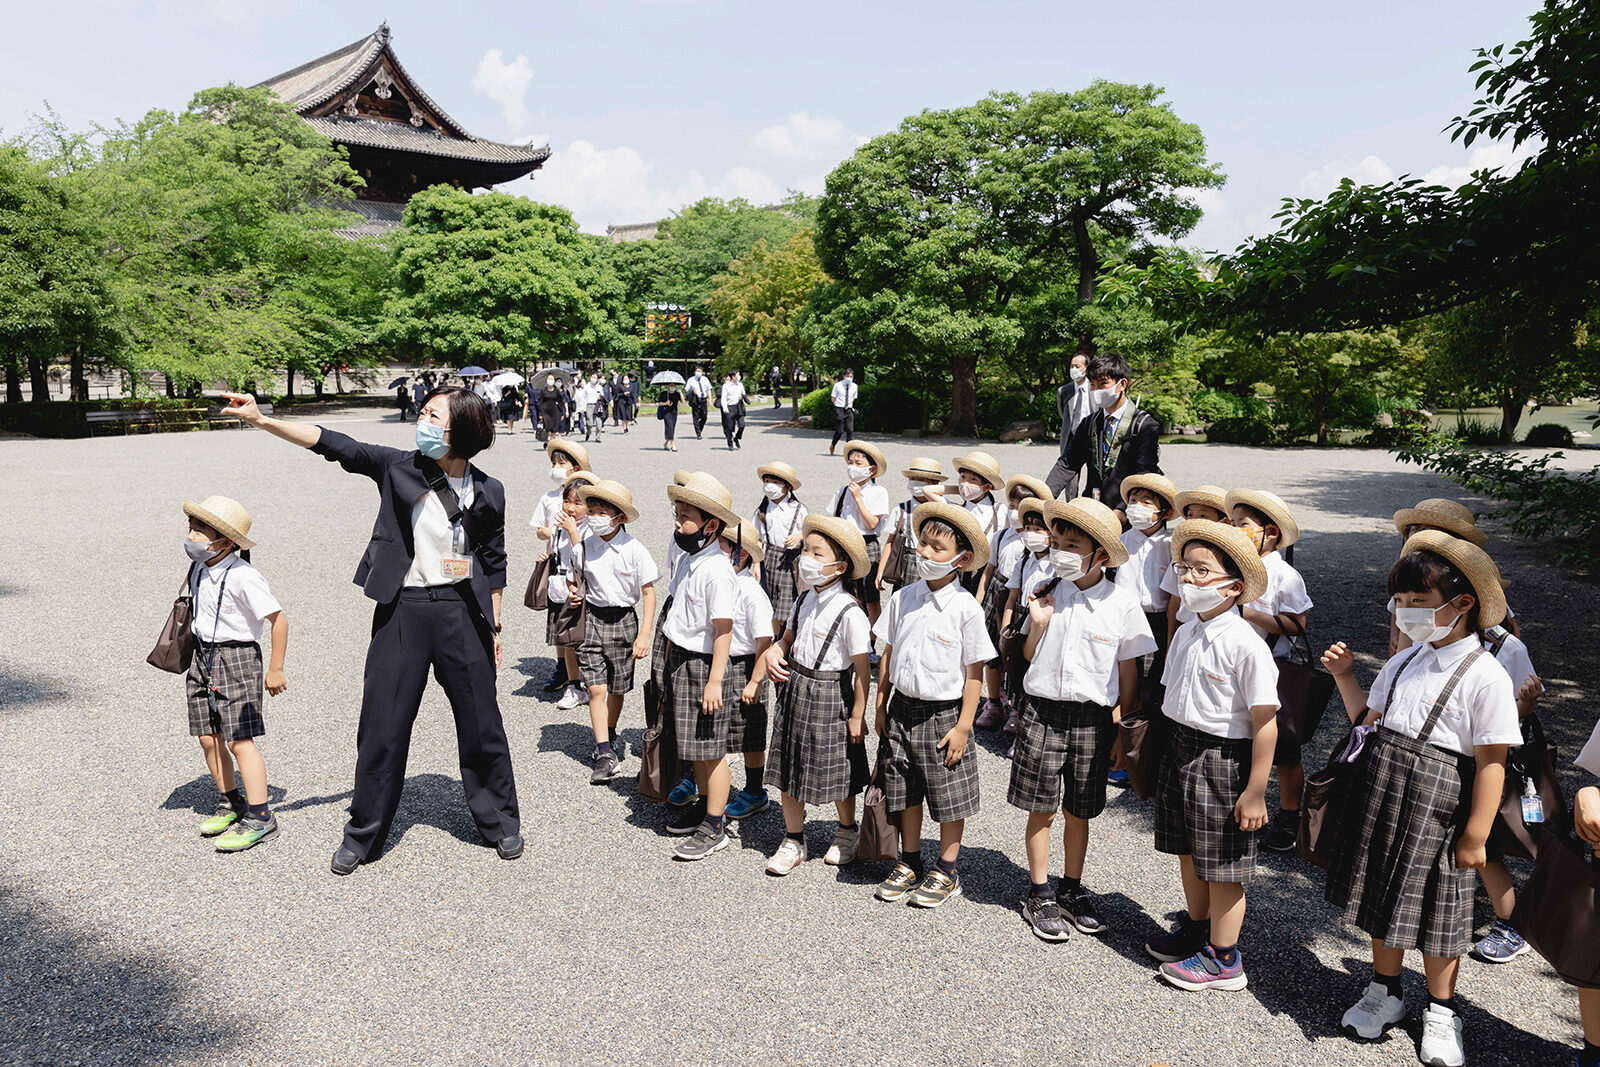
{"type": "Point", "coordinates": [1574, 417]}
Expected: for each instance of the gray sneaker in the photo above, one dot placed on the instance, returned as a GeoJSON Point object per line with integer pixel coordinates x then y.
{"type": "Point", "coordinates": [605, 768]}
{"type": "Point", "coordinates": [701, 844]}
{"type": "Point", "coordinates": [1044, 915]}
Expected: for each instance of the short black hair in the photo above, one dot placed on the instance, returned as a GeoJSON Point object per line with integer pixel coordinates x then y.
{"type": "Point", "coordinates": [471, 421]}
{"type": "Point", "coordinates": [571, 489]}
{"type": "Point", "coordinates": [1423, 571]}
{"type": "Point", "coordinates": [940, 526]}
{"type": "Point", "coordinates": [1230, 566]}
{"type": "Point", "coordinates": [1107, 365]}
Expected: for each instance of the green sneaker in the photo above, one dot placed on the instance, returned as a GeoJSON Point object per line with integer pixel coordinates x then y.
{"type": "Point", "coordinates": [248, 833]}
{"type": "Point", "coordinates": [224, 818]}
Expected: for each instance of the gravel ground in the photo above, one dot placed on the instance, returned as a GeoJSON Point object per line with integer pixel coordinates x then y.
{"type": "Point", "coordinates": [125, 938]}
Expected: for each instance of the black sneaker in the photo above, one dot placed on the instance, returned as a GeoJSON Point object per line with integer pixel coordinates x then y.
{"type": "Point", "coordinates": [605, 767]}
{"type": "Point", "coordinates": [558, 679]}
{"type": "Point", "coordinates": [1044, 915]}
{"type": "Point", "coordinates": [1078, 906]}
{"type": "Point", "coordinates": [1280, 835]}
{"type": "Point", "coordinates": [686, 819]}
{"type": "Point", "coordinates": [704, 842]}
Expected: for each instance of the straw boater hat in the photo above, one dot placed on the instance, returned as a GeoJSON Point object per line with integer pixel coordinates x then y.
{"type": "Point", "coordinates": [703, 491]}
{"type": "Point", "coordinates": [871, 451]}
{"type": "Point", "coordinates": [614, 493]}
{"type": "Point", "coordinates": [1471, 561]}
{"type": "Point", "coordinates": [1211, 496]}
{"type": "Point", "coordinates": [224, 515]}
{"type": "Point", "coordinates": [1447, 515]}
{"type": "Point", "coordinates": [680, 476]}
{"type": "Point", "coordinates": [586, 477]}
{"type": "Point", "coordinates": [749, 540]}
{"type": "Point", "coordinates": [572, 450]}
{"type": "Point", "coordinates": [1158, 484]}
{"type": "Point", "coordinates": [1230, 541]}
{"type": "Point", "coordinates": [781, 471]}
{"type": "Point", "coordinates": [1096, 520]}
{"type": "Point", "coordinates": [925, 469]}
{"type": "Point", "coordinates": [1036, 487]}
{"type": "Point", "coordinates": [1270, 505]}
{"type": "Point", "coordinates": [983, 465]}
{"type": "Point", "coordinates": [962, 520]}
{"type": "Point", "coordinates": [1033, 506]}
{"type": "Point", "coordinates": [844, 534]}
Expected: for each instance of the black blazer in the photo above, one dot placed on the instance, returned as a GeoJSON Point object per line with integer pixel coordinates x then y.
{"type": "Point", "coordinates": [400, 483]}
{"type": "Point", "coordinates": [1140, 452]}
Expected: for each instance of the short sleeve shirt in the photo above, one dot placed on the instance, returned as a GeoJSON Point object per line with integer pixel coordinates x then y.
{"type": "Point", "coordinates": [703, 595]}
{"type": "Point", "coordinates": [1513, 656]}
{"type": "Point", "coordinates": [1091, 631]}
{"type": "Point", "coordinates": [875, 496]}
{"type": "Point", "coordinates": [546, 510]}
{"type": "Point", "coordinates": [1286, 592]}
{"type": "Point", "coordinates": [1589, 758]}
{"type": "Point", "coordinates": [934, 635]}
{"type": "Point", "coordinates": [814, 618]}
{"type": "Point", "coordinates": [1481, 710]}
{"type": "Point", "coordinates": [752, 615]}
{"type": "Point", "coordinates": [616, 571]}
{"type": "Point", "coordinates": [778, 521]}
{"type": "Point", "coordinates": [1217, 670]}
{"type": "Point", "coordinates": [1149, 562]}
{"type": "Point", "coordinates": [990, 515]}
{"type": "Point", "coordinates": [245, 601]}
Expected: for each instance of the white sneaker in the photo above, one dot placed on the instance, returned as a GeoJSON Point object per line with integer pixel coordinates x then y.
{"type": "Point", "coordinates": [843, 849]}
{"type": "Point", "coordinates": [1441, 1038]}
{"type": "Point", "coordinates": [571, 698]}
{"type": "Point", "coordinates": [790, 855]}
{"type": "Point", "coordinates": [1374, 1013]}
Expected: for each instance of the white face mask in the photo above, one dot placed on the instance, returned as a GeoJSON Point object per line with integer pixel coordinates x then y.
{"type": "Point", "coordinates": [559, 474]}
{"type": "Point", "coordinates": [931, 570]}
{"type": "Point", "coordinates": [918, 490]}
{"type": "Point", "coordinates": [1014, 520]}
{"type": "Point", "coordinates": [773, 490]}
{"type": "Point", "coordinates": [1035, 541]}
{"type": "Point", "coordinates": [1422, 625]}
{"type": "Point", "coordinates": [1068, 566]}
{"type": "Point", "coordinates": [859, 473]}
{"type": "Point", "coordinates": [1077, 373]}
{"type": "Point", "coordinates": [600, 526]}
{"type": "Point", "coordinates": [972, 493]}
{"type": "Point", "coordinates": [1105, 399]}
{"type": "Point", "coordinates": [809, 570]}
{"type": "Point", "coordinates": [1200, 598]}
{"type": "Point", "coordinates": [1141, 516]}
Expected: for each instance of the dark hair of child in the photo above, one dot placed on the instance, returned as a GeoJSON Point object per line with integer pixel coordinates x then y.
{"type": "Point", "coordinates": [1422, 571]}
{"type": "Point", "coordinates": [942, 527]}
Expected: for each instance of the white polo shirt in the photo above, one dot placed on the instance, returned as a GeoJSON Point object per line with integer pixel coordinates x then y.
{"type": "Point", "coordinates": [1091, 631]}
{"type": "Point", "coordinates": [617, 570]}
{"type": "Point", "coordinates": [935, 636]}
{"type": "Point", "coordinates": [702, 593]}
{"type": "Point", "coordinates": [1482, 710]}
{"type": "Point", "coordinates": [546, 510]}
{"type": "Point", "coordinates": [875, 496]}
{"type": "Point", "coordinates": [245, 600]}
{"type": "Point", "coordinates": [1286, 592]}
{"type": "Point", "coordinates": [1217, 670]}
{"type": "Point", "coordinates": [1149, 562]}
{"type": "Point", "coordinates": [752, 615]}
{"type": "Point", "coordinates": [814, 618]}
{"type": "Point", "coordinates": [777, 522]}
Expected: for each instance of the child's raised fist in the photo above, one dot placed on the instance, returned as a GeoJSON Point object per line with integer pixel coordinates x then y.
{"type": "Point", "coordinates": [1339, 659]}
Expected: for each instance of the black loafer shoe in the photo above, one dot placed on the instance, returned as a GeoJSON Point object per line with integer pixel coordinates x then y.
{"type": "Point", "coordinates": [344, 861]}
{"type": "Point", "coordinates": [509, 847]}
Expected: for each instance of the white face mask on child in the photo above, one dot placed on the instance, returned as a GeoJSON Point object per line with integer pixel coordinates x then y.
{"type": "Point", "coordinates": [1014, 520]}
{"type": "Point", "coordinates": [773, 490]}
{"type": "Point", "coordinates": [809, 570]}
{"type": "Point", "coordinates": [919, 490]}
{"type": "Point", "coordinates": [972, 493]}
{"type": "Point", "coordinates": [1035, 541]}
{"type": "Point", "coordinates": [1068, 566]}
{"type": "Point", "coordinates": [1141, 516]}
{"type": "Point", "coordinates": [601, 525]}
{"type": "Point", "coordinates": [1422, 625]}
{"type": "Point", "coordinates": [558, 474]}
{"type": "Point", "coordinates": [1201, 598]}
{"type": "Point", "coordinates": [858, 473]}
{"type": "Point", "coordinates": [931, 570]}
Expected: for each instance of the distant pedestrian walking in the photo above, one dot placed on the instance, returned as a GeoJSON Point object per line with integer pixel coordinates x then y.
{"type": "Point", "coordinates": [844, 396]}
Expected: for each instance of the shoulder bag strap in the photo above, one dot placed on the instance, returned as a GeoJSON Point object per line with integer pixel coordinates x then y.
{"type": "Point", "coordinates": [434, 474]}
{"type": "Point", "coordinates": [1299, 635]}
{"type": "Point", "coordinates": [1444, 694]}
{"type": "Point", "coordinates": [1498, 639]}
{"type": "Point", "coordinates": [838, 502]}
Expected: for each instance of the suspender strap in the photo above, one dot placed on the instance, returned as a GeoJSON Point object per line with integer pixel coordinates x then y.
{"type": "Point", "coordinates": [1444, 694]}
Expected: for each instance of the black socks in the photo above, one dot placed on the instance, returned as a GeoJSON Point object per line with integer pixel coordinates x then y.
{"type": "Point", "coordinates": [1448, 1005]}
{"type": "Point", "coordinates": [235, 799]}
{"type": "Point", "coordinates": [1390, 982]}
{"type": "Point", "coordinates": [716, 821]}
{"type": "Point", "coordinates": [1225, 956]}
{"type": "Point", "coordinates": [1069, 885]}
{"type": "Point", "coordinates": [1288, 818]}
{"type": "Point", "coordinates": [1040, 890]}
{"type": "Point", "coordinates": [947, 866]}
{"type": "Point", "coordinates": [912, 860]}
{"type": "Point", "coordinates": [1590, 1056]}
{"type": "Point", "coordinates": [799, 836]}
{"type": "Point", "coordinates": [604, 747]}
{"type": "Point", "coordinates": [754, 778]}
{"type": "Point", "coordinates": [260, 812]}
{"type": "Point", "coordinates": [842, 826]}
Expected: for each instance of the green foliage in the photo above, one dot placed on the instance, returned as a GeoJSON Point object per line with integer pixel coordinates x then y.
{"type": "Point", "coordinates": [758, 304]}
{"type": "Point", "coordinates": [1548, 435]}
{"type": "Point", "coordinates": [884, 408]}
{"type": "Point", "coordinates": [996, 411]}
{"type": "Point", "coordinates": [1471, 432]}
{"type": "Point", "coordinates": [1211, 405]}
{"type": "Point", "coordinates": [1409, 426]}
{"type": "Point", "coordinates": [1250, 429]}
{"type": "Point", "coordinates": [819, 405]}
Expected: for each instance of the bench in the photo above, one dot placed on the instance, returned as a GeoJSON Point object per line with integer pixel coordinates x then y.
{"type": "Point", "coordinates": [149, 419]}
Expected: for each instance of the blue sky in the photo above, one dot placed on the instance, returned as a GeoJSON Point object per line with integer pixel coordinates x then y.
{"type": "Point", "coordinates": [649, 104]}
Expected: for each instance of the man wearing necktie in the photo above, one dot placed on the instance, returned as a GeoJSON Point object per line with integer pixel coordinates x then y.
{"type": "Point", "coordinates": [844, 396]}
{"type": "Point", "coordinates": [1116, 440]}
{"type": "Point", "coordinates": [698, 390]}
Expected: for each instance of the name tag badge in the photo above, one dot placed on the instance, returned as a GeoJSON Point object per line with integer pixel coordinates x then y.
{"type": "Point", "coordinates": [455, 567]}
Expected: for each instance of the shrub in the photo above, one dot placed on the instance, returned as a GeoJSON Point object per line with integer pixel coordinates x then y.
{"type": "Point", "coordinates": [1169, 411]}
{"type": "Point", "coordinates": [996, 411]}
{"type": "Point", "coordinates": [819, 405]}
{"type": "Point", "coordinates": [1243, 430]}
{"type": "Point", "coordinates": [1549, 435]}
{"type": "Point", "coordinates": [1212, 405]}
{"type": "Point", "coordinates": [1410, 426]}
{"type": "Point", "coordinates": [1474, 432]}
{"type": "Point", "coordinates": [885, 409]}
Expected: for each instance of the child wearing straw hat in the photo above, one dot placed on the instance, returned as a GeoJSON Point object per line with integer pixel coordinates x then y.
{"type": "Point", "coordinates": [934, 650]}
{"type": "Point", "coordinates": [778, 519]}
{"type": "Point", "coordinates": [567, 535]}
{"type": "Point", "coordinates": [752, 636]}
{"type": "Point", "coordinates": [863, 503]}
{"type": "Point", "coordinates": [1084, 643]}
{"type": "Point", "coordinates": [820, 665]}
{"type": "Point", "coordinates": [1151, 500]}
{"type": "Point", "coordinates": [1222, 698]}
{"type": "Point", "coordinates": [1202, 502]}
{"type": "Point", "coordinates": [232, 602]}
{"type": "Point", "coordinates": [923, 475]}
{"type": "Point", "coordinates": [1452, 517]}
{"type": "Point", "coordinates": [1444, 716]}
{"type": "Point", "coordinates": [566, 459]}
{"type": "Point", "coordinates": [699, 633]}
{"type": "Point", "coordinates": [979, 479]}
{"type": "Point", "coordinates": [1279, 616]}
{"type": "Point", "coordinates": [619, 575]}
{"type": "Point", "coordinates": [1005, 550]}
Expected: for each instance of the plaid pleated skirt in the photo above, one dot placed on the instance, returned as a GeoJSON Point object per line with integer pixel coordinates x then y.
{"type": "Point", "coordinates": [867, 588]}
{"type": "Point", "coordinates": [994, 605]}
{"type": "Point", "coordinates": [606, 655]}
{"type": "Point", "coordinates": [811, 749]}
{"type": "Point", "coordinates": [915, 772]}
{"type": "Point", "coordinates": [747, 730]}
{"type": "Point", "coordinates": [1063, 755]}
{"type": "Point", "coordinates": [778, 580]}
{"type": "Point", "coordinates": [237, 675]}
{"type": "Point", "coordinates": [1397, 877]}
{"type": "Point", "coordinates": [1201, 780]}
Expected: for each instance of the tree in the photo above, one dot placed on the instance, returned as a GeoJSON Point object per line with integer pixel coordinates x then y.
{"type": "Point", "coordinates": [501, 280]}
{"type": "Point", "coordinates": [937, 232]}
{"type": "Point", "coordinates": [758, 304]}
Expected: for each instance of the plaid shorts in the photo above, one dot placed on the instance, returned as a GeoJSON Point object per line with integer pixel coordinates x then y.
{"type": "Point", "coordinates": [550, 626]}
{"type": "Point", "coordinates": [777, 578]}
{"type": "Point", "coordinates": [1201, 780]}
{"type": "Point", "coordinates": [994, 606]}
{"type": "Point", "coordinates": [814, 758]}
{"type": "Point", "coordinates": [236, 672]}
{"type": "Point", "coordinates": [1062, 758]}
{"type": "Point", "coordinates": [747, 731]}
{"type": "Point", "coordinates": [915, 772]}
{"type": "Point", "coordinates": [606, 655]}
{"type": "Point", "coordinates": [865, 588]}
{"type": "Point", "coordinates": [658, 646]}
{"type": "Point", "coordinates": [699, 736]}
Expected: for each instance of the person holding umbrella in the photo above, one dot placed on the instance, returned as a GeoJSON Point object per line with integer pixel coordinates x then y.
{"type": "Point", "coordinates": [551, 406]}
{"type": "Point", "coordinates": [667, 407]}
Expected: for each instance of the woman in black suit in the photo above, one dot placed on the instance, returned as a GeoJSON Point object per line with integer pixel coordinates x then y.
{"type": "Point", "coordinates": [436, 565]}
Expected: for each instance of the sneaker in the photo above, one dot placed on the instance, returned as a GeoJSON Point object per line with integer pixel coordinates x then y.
{"type": "Point", "coordinates": [1179, 943]}
{"type": "Point", "coordinates": [1118, 778]}
{"type": "Point", "coordinates": [1501, 944]}
{"type": "Point", "coordinates": [224, 818]}
{"type": "Point", "coordinates": [570, 699]}
{"type": "Point", "coordinates": [936, 889]}
{"type": "Point", "coordinates": [991, 713]}
{"type": "Point", "coordinates": [1044, 915]}
{"type": "Point", "coordinates": [1010, 728]}
{"type": "Point", "coordinates": [1279, 836]}
{"type": "Point", "coordinates": [1374, 1013]}
{"type": "Point", "coordinates": [558, 679]}
{"type": "Point", "coordinates": [744, 804]}
{"type": "Point", "coordinates": [843, 849]}
{"type": "Point", "coordinates": [1078, 906]}
{"type": "Point", "coordinates": [1011, 750]}
{"type": "Point", "coordinates": [248, 832]}
{"type": "Point", "coordinates": [1441, 1038]}
{"type": "Point", "coordinates": [684, 820]}
{"type": "Point", "coordinates": [687, 791]}
{"type": "Point", "coordinates": [704, 842]}
{"type": "Point", "coordinates": [605, 767]}
{"type": "Point", "coordinates": [790, 855]}
{"type": "Point", "coordinates": [901, 881]}
{"type": "Point", "coordinates": [1204, 971]}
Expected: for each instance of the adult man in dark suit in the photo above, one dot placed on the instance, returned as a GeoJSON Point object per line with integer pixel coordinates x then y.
{"type": "Point", "coordinates": [1116, 440]}
{"type": "Point", "coordinates": [1072, 407]}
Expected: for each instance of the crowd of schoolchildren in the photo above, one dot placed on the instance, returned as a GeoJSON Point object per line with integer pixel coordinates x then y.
{"type": "Point", "coordinates": [980, 602]}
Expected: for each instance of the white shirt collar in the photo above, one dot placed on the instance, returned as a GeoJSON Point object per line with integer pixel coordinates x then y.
{"type": "Point", "coordinates": [1453, 653]}
{"type": "Point", "coordinates": [941, 597]}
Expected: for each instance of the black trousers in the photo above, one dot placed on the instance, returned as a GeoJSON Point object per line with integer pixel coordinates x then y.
{"type": "Point", "coordinates": [697, 409]}
{"type": "Point", "coordinates": [844, 426]}
{"type": "Point", "coordinates": [1061, 478]}
{"type": "Point", "coordinates": [426, 628]}
{"type": "Point", "coordinates": [733, 424]}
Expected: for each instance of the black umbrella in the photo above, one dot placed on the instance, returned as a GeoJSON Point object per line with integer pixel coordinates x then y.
{"type": "Point", "coordinates": [398, 382]}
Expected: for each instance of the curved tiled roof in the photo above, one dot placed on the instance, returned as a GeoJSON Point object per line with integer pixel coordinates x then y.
{"type": "Point", "coordinates": [381, 133]}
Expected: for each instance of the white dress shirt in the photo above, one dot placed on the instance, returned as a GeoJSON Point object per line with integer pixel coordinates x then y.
{"type": "Point", "coordinates": [1090, 633]}
{"type": "Point", "coordinates": [875, 496]}
{"type": "Point", "coordinates": [1286, 592]}
{"type": "Point", "coordinates": [616, 571]}
{"type": "Point", "coordinates": [245, 600]}
{"type": "Point", "coordinates": [1080, 407]}
{"type": "Point", "coordinates": [814, 618]}
{"type": "Point", "coordinates": [991, 515]}
{"type": "Point", "coordinates": [1149, 562]}
{"type": "Point", "coordinates": [777, 522]}
{"type": "Point", "coordinates": [889, 525]}
{"type": "Point", "coordinates": [702, 595]}
{"type": "Point", "coordinates": [935, 635]}
{"type": "Point", "coordinates": [433, 537]}
{"type": "Point", "coordinates": [752, 615]}
{"type": "Point", "coordinates": [1482, 710]}
{"type": "Point", "coordinates": [1005, 550]}
{"type": "Point", "coordinates": [732, 394]}
{"type": "Point", "coordinates": [844, 393]}
{"type": "Point", "coordinates": [566, 563]}
{"type": "Point", "coordinates": [546, 510]}
{"type": "Point", "coordinates": [698, 385]}
{"type": "Point", "coordinates": [1217, 670]}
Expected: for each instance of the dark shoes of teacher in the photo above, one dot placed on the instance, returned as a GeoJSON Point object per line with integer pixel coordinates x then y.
{"type": "Point", "coordinates": [345, 862]}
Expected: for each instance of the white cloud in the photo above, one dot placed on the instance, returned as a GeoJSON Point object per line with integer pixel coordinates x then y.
{"type": "Point", "coordinates": [1484, 157]}
{"type": "Point", "coordinates": [803, 137]}
{"type": "Point", "coordinates": [1369, 171]}
{"type": "Point", "coordinates": [506, 84]}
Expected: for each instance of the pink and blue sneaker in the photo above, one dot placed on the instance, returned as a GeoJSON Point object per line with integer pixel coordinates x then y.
{"type": "Point", "coordinates": [1204, 970]}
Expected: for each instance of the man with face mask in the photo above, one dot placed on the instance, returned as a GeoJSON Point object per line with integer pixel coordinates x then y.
{"type": "Point", "coordinates": [1116, 439]}
{"type": "Point", "coordinates": [844, 395]}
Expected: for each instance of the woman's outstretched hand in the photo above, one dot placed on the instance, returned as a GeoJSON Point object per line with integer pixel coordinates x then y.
{"type": "Point", "coordinates": [242, 406]}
